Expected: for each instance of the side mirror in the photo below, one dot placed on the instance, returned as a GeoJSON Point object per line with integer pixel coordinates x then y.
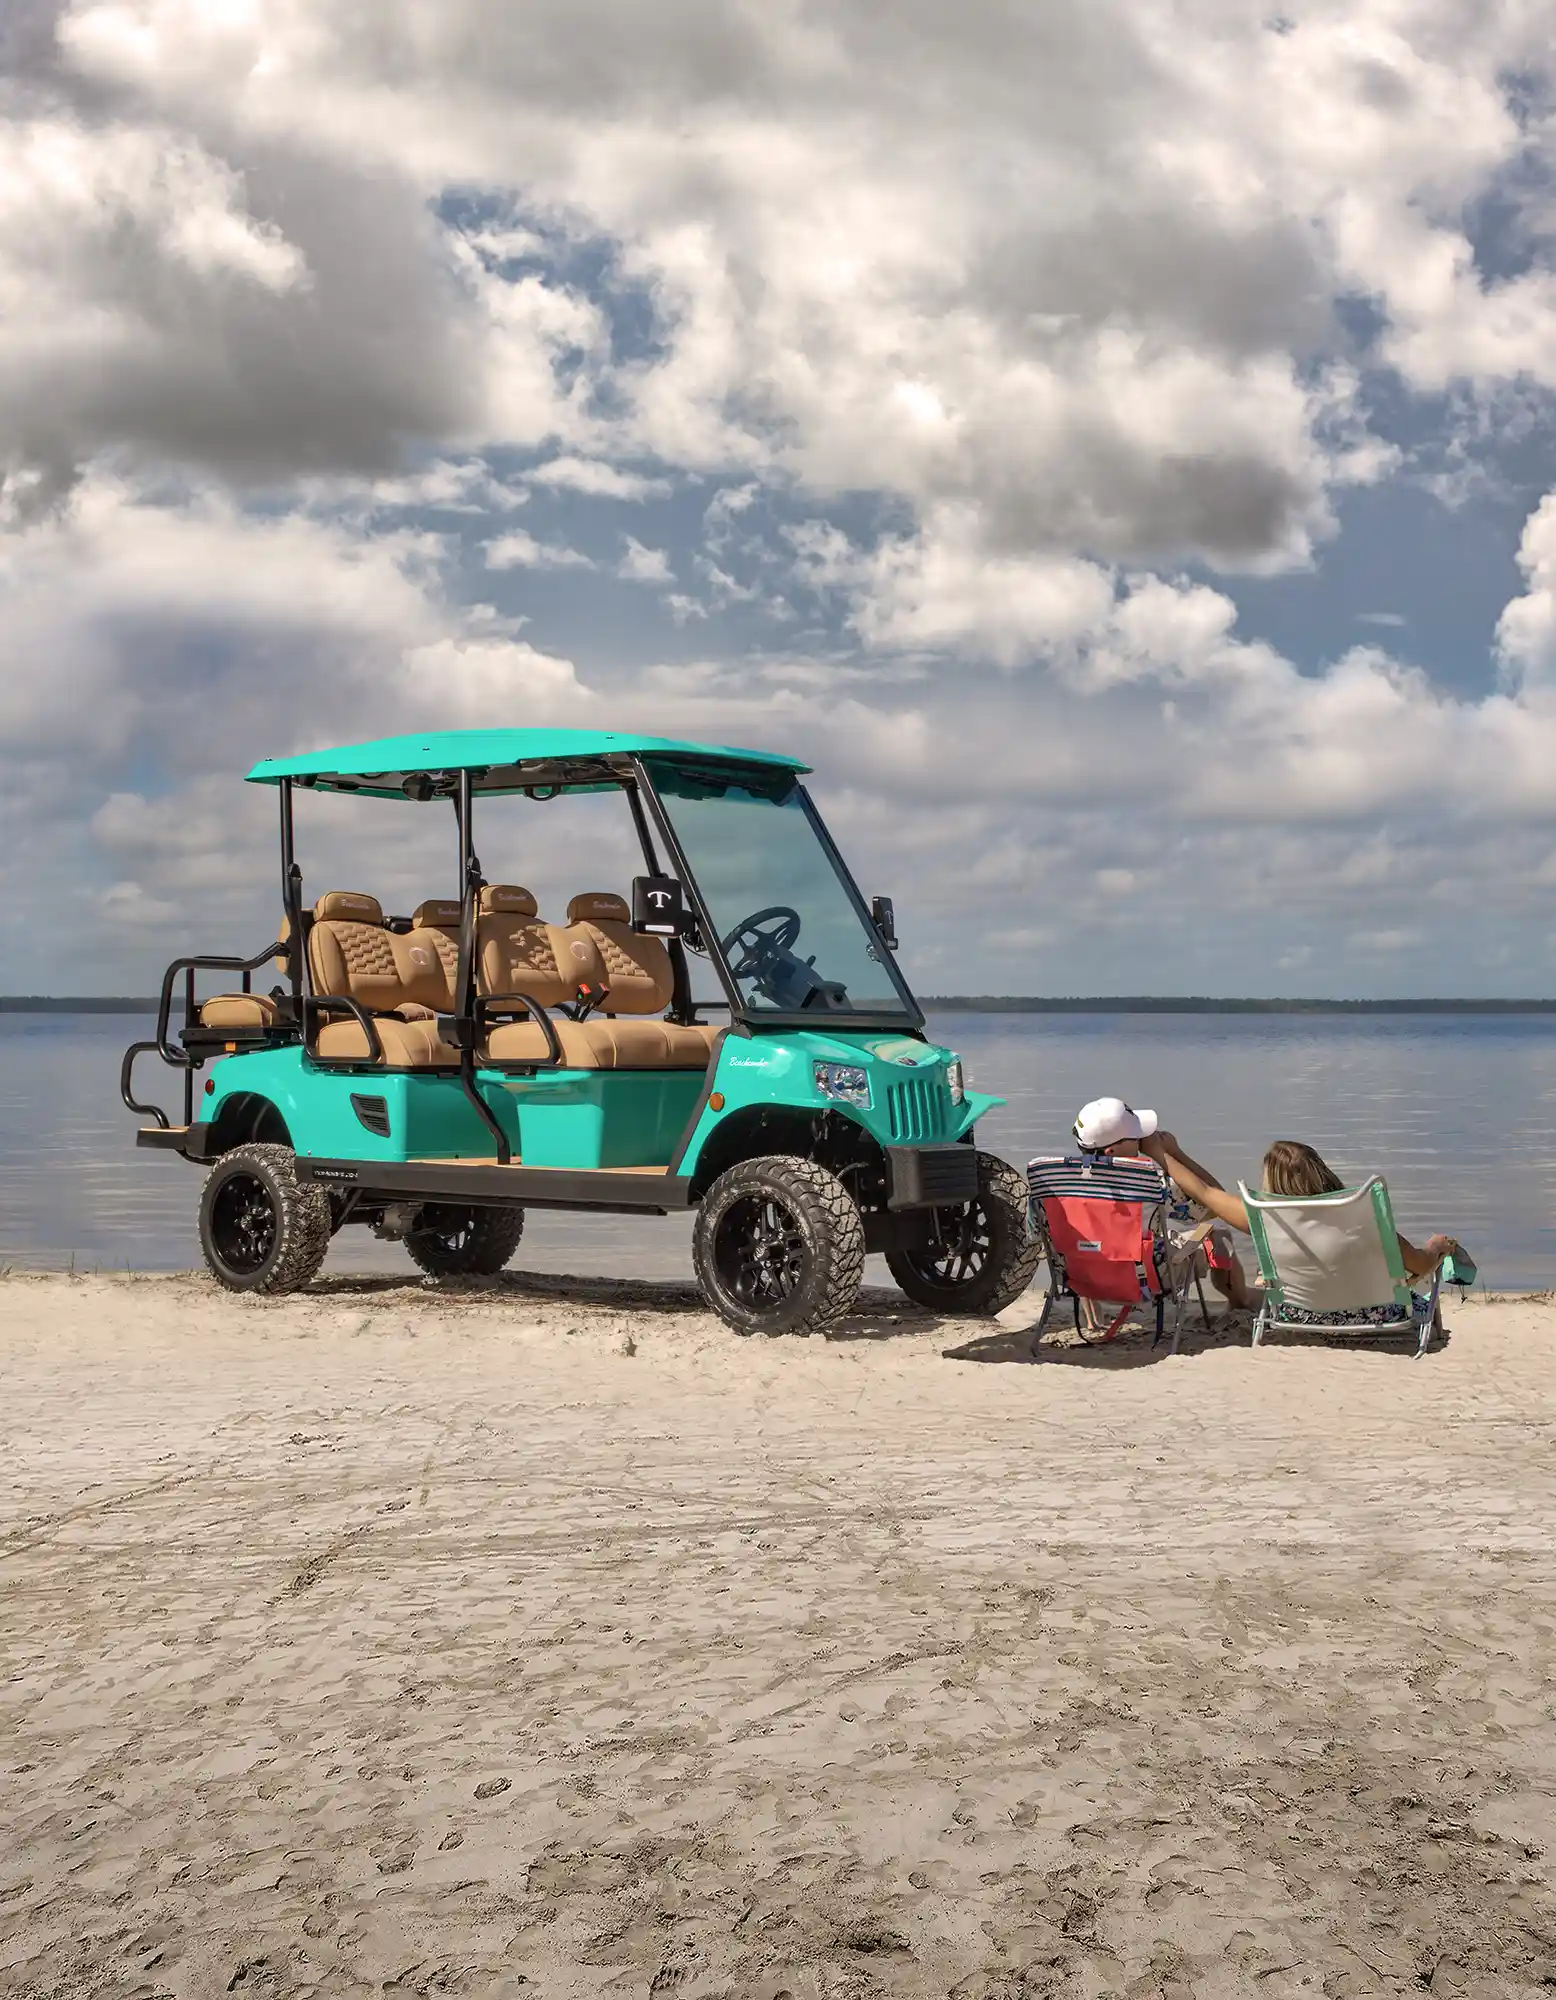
{"type": "Point", "coordinates": [658, 907]}
{"type": "Point", "coordinates": [884, 918]}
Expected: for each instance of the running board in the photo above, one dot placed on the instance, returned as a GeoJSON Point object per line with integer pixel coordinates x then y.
{"type": "Point", "coordinates": [629, 1191]}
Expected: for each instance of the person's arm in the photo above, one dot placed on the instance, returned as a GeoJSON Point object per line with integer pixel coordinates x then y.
{"type": "Point", "coordinates": [1195, 1183]}
{"type": "Point", "coordinates": [1423, 1262]}
{"type": "Point", "coordinates": [1174, 1146]}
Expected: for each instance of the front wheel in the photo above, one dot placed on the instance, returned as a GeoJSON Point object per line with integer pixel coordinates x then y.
{"type": "Point", "coordinates": [261, 1228]}
{"type": "Point", "coordinates": [450, 1242]}
{"type": "Point", "coordinates": [976, 1258]}
{"type": "Point", "coordinates": [779, 1246]}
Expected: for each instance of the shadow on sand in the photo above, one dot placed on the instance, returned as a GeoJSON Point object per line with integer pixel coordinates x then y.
{"type": "Point", "coordinates": [881, 1315]}
{"type": "Point", "coordinates": [1137, 1347]}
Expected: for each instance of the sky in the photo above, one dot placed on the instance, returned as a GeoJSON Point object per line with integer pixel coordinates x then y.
{"type": "Point", "coordinates": [1110, 440]}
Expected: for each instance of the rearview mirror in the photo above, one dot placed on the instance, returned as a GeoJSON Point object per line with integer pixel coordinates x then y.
{"type": "Point", "coordinates": [658, 906]}
{"type": "Point", "coordinates": [884, 918]}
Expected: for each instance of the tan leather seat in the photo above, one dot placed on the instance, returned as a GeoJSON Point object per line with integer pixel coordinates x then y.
{"type": "Point", "coordinates": [601, 1042]}
{"type": "Point", "coordinates": [637, 969]}
{"type": "Point", "coordinates": [241, 1013]}
{"type": "Point", "coordinates": [595, 948]}
{"type": "Point", "coordinates": [403, 982]}
{"type": "Point", "coordinates": [246, 1013]}
{"type": "Point", "coordinates": [639, 980]}
{"type": "Point", "coordinates": [516, 952]}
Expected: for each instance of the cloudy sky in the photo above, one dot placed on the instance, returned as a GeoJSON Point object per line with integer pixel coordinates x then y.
{"type": "Point", "coordinates": [1113, 440]}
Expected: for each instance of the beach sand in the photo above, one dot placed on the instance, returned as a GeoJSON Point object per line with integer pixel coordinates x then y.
{"type": "Point", "coordinates": [551, 1640]}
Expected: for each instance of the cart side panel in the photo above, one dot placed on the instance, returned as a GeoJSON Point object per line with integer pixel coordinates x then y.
{"type": "Point", "coordinates": [361, 1114]}
{"type": "Point", "coordinates": [601, 1118]}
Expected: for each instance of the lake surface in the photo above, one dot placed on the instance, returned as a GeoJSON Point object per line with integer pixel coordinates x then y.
{"type": "Point", "coordinates": [1458, 1111]}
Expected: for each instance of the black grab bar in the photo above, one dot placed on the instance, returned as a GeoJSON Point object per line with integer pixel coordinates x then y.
{"type": "Point", "coordinates": [181, 1058]}
{"type": "Point", "coordinates": [126, 1074]}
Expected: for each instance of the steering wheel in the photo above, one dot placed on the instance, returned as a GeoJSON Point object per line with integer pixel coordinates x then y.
{"type": "Point", "coordinates": [754, 946]}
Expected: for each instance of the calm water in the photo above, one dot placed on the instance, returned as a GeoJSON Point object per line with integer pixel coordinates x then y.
{"type": "Point", "coordinates": [1459, 1112]}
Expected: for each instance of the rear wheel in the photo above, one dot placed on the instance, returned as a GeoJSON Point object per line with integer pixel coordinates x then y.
{"type": "Point", "coordinates": [976, 1258]}
{"type": "Point", "coordinates": [262, 1229]}
{"type": "Point", "coordinates": [452, 1242]}
{"type": "Point", "coordinates": [779, 1246]}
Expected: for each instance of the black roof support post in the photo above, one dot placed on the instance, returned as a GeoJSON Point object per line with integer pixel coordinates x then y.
{"type": "Point", "coordinates": [464, 978]}
{"type": "Point", "coordinates": [292, 901]}
{"type": "Point", "coordinates": [681, 1008]}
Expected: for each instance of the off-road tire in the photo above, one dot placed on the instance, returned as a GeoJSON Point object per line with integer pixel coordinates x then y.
{"type": "Point", "coordinates": [779, 1246]}
{"type": "Point", "coordinates": [451, 1241]}
{"type": "Point", "coordinates": [1007, 1262]}
{"type": "Point", "coordinates": [243, 1250]}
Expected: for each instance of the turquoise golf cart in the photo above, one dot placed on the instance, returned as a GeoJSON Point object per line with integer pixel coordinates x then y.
{"type": "Point", "coordinates": [733, 1037]}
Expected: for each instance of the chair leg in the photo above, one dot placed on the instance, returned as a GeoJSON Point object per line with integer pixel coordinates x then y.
{"type": "Point", "coordinates": [1042, 1325]}
{"type": "Point", "coordinates": [1258, 1328]}
{"type": "Point", "coordinates": [1204, 1310]}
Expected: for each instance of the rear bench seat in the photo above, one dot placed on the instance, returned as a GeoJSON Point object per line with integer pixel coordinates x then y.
{"type": "Point", "coordinates": [246, 1013]}
{"type": "Point", "coordinates": [597, 947]}
{"type": "Point", "coordinates": [405, 982]}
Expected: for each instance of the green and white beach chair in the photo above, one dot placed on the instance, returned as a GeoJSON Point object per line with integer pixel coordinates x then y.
{"type": "Point", "coordinates": [1332, 1262]}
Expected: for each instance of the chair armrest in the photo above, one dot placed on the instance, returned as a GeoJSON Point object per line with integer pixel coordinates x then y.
{"type": "Point", "coordinates": [520, 1007]}
{"type": "Point", "coordinates": [316, 1005]}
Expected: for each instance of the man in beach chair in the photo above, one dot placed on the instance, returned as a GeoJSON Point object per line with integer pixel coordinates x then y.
{"type": "Point", "coordinates": [1102, 1223]}
{"type": "Point", "coordinates": [1109, 1125]}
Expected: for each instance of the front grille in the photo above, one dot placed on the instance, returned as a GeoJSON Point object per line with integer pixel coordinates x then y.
{"type": "Point", "coordinates": [918, 1109]}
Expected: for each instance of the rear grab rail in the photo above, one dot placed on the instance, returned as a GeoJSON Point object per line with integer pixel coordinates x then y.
{"type": "Point", "coordinates": [181, 1058]}
{"type": "Point", "coordinates": [176, 1058]}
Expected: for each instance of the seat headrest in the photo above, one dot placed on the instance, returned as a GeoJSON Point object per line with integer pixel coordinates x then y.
{"type": "Point", "coordinates": [348, 906]}
{"type": "Point", "coordinates": [598, 906]}
{"type": "Point", "coordinates": [507, 899]}
{"type": "Point", "coordinates": [436, 914]}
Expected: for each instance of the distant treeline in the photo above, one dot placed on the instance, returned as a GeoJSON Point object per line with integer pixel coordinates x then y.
{"type": "Point", "coordinates": [91, 1003]}
{"type": "Point", "coordinates": [1148, 1003]}
{"type": "Point", "coordinates": [962, 1003]}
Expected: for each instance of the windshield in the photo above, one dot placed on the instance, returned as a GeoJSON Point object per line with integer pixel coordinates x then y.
{"type": "Point", "coordinates": [792, 934]}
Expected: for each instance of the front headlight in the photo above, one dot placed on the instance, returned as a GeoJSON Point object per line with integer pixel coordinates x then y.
{"type": "Point", "coordinates": [955, 1082]}
{"type": "Point", "coordinates": [843, 1083]}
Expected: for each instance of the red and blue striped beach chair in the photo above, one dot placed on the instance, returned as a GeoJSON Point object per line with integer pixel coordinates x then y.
{"type": "Point", "coordinates": [1103, 1226]}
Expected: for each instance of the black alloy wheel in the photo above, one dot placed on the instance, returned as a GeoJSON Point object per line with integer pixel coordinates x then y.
{"type": "Point", "coordinates": [977, 1257]}
{"type": "Point", "coordinates": [261, 1229]}
{"type": "Point", "coordinates": [243, 1224]}
{"type": "Point", "coordinates": [760, 1250]}
{"type": "Point", "coordinates": [455, 1242]}
{"type": "Point", "coordinates": [779, 1246]}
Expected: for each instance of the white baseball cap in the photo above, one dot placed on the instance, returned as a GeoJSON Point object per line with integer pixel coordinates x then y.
{"type": "Point", "coordinates": [1106, 1120]}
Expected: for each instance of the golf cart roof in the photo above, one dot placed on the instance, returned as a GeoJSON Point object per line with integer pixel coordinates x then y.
{"type": "Point", "coordinates": [503, 760]}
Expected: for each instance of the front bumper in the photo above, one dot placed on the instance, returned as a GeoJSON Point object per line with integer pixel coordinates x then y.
{"type": "Point", "coordinates": [930, 1176]}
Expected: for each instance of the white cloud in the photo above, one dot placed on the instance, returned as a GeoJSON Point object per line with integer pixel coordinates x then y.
{"type": "Point", "coordinates": [596, 478]}
{"type": "Point", "coordinates": [643, 565]}
{"type": "Point", "coordinates": [1526, 633]}
{"type": "Point", "coordinates": [518, 550]}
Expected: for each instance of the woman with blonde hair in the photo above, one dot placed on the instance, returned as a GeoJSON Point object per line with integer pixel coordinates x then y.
{"type": "Point", "coordinates": [1294, 1169]}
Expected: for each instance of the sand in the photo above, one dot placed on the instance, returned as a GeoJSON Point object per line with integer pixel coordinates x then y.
{"type": "Point", "coordinates": [551, 1640]}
